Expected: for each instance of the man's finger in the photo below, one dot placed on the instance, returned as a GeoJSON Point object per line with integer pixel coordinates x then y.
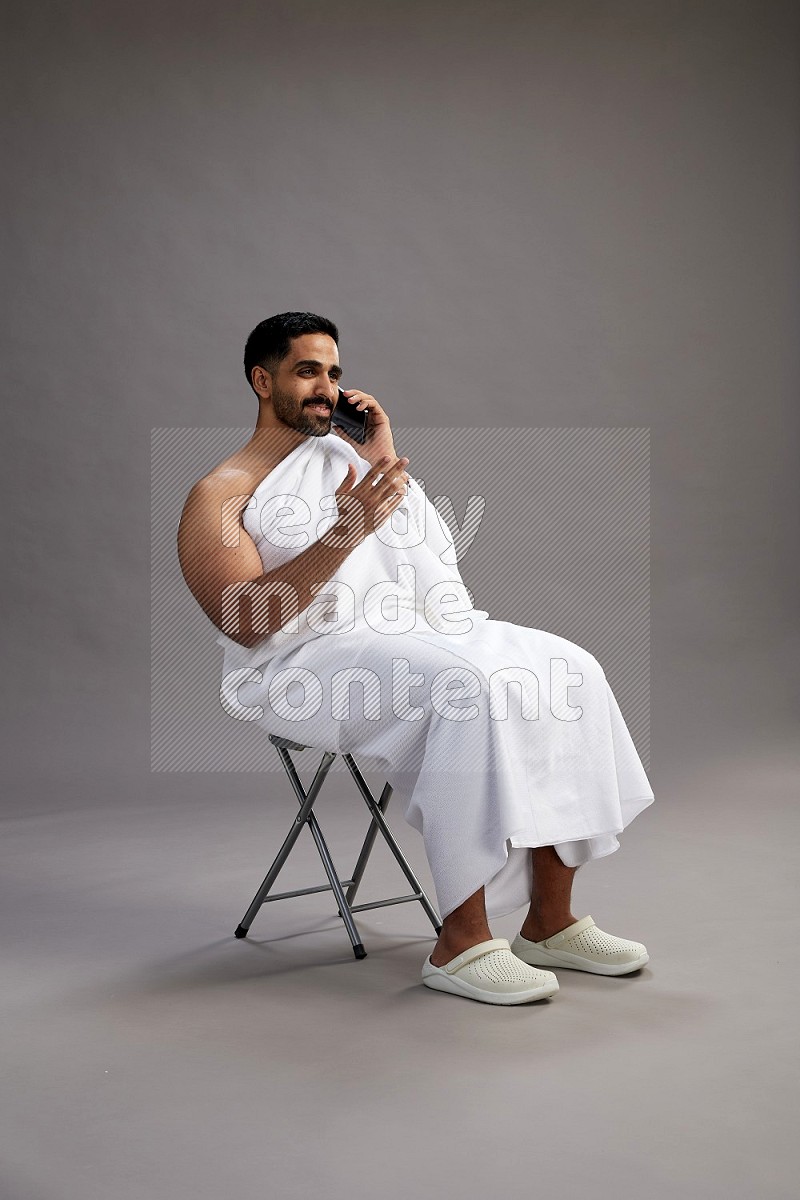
{"type": "Point", "coordinates": [399, 464]}
{"type": "Point", "coordinates": [379, 469]}
{"type": "Point", "coordinates": [386, 507]}
{"type": "Point", "coordinates": [347, 482]}
{"type": "Point", "coordinates": [397, 468]}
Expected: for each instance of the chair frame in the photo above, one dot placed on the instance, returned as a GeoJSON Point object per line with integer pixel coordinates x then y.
{"type": "Point", "coordinates": [305, 816]}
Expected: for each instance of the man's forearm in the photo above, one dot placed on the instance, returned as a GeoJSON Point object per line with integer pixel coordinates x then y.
{"type": "Point", "coordinates": [252, 611]}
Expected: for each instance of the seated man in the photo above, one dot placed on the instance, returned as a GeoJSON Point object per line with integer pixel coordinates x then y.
{"type": "Point", "coordinates": [512, 788]}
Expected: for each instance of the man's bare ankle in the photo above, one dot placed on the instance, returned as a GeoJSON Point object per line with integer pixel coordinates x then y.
{"type": "Point", "coordinates": [540, 930]}
{"type": "Point", "coordinates": [450, 945]}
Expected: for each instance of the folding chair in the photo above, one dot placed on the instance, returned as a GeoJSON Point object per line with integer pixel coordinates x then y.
{"type": "Point", "coordinates": [336, 885]}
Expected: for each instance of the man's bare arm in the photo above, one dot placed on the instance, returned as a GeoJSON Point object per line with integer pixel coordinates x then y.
{"type": "Point", "coordinates": [225, 574]}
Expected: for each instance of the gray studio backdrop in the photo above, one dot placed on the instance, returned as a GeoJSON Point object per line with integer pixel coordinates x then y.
{"type": "Point", "coordinates": [537, 216]}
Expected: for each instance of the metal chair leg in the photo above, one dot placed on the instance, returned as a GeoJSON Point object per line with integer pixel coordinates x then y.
{"type": "Point", "coordinates": [378, 820]}
{"type": "Point", "coordinates": [336, 887]}
{"type": "Point", "coordinates": [306, 816]}
{"type": "Point", "coordinates": [369, 842]}
{"type": "Point", "coordinates": [306, 804]}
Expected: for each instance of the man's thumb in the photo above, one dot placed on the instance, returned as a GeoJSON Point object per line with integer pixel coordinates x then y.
{"type": "Point", "coordinates": [347, 483]}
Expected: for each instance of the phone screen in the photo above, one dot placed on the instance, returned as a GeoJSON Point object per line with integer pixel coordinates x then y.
{"type": "Point", "coordinates": [350, 419]}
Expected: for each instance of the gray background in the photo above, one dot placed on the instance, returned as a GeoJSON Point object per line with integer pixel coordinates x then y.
{"type": "Point", "coordinates": [538, 215]}
{"type": "Point", "coordinates": [528, 214]}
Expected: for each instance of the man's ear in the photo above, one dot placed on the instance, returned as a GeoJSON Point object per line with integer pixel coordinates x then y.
{"type": "Point", "coordinates": [262, 382]}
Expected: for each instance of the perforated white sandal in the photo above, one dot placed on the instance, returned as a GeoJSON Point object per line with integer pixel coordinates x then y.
{"type": "Point", "coordinates": [583, 947]}
{"type": "Point", "coordinates": [491, 973]}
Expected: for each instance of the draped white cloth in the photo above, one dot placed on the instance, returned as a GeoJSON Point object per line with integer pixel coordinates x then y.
{"type": "Point", "coordinates": [494, 736]}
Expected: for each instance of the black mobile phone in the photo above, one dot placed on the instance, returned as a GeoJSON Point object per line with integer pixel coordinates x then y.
{"type": "Point", "coordinates": [351, 420]}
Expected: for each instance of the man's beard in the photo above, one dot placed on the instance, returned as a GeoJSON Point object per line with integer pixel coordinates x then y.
{"type": "Point", "coordinates": [295, 414]}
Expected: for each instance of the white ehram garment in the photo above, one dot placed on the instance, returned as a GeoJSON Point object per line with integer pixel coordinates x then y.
{"type": "Point", "coordinates": [480, 781]}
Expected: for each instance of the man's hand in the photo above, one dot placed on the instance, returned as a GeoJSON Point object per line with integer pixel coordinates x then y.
{"type": "Point", "coordinates": [363, 508]}
{"type": "Point", "coordinates": [379, 441]}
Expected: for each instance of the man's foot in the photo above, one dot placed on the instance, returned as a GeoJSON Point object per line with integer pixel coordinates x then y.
{"type": "Point", "coordinates": [583, 947]}
{"type": "Point", "coordinates": [489, 972]}
{"type": "Point", "coordinates": [460, 931]}
{"type": "Point", "coordinates": [450, 945]}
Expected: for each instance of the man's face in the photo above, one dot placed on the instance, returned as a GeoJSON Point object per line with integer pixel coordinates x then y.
{"type": "Point", "coordinates": [304, 390]}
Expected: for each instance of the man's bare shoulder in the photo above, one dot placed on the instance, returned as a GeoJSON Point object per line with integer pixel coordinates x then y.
{"type": "Point", "coordinates": [224, 480]}
{"type": "Point", "coordinates": [222, 494]}
{"type": "Point", "coordinates": [235, 476]}
{"type": "Point", "coordinates": [215, 505]}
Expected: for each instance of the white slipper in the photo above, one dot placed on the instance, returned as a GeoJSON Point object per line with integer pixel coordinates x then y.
{"type": "Point", "coordinates": [583, 947]}
{"type": "Point", "coordinates": [491, 973]}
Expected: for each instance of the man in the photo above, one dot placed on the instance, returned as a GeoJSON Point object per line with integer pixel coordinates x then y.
{"type": "Point", "coordinates": [291, 548]}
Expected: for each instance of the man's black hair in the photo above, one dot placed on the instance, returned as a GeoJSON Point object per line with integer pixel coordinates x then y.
{"type": "Point", "coordinates": [270, 342]}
